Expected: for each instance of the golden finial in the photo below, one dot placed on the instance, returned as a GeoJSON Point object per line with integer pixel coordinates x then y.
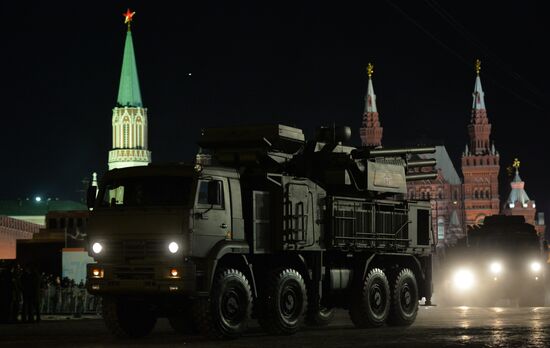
{"type": "Point", "coordinates": [370, 69]}
{"type": "Point", "coordinates": [516, 163]}
{"type": "Point", "coordinates": [478, 66]}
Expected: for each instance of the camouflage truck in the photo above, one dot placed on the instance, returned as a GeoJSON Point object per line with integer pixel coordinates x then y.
{"type": "Point", "coordinates": [271, 227]}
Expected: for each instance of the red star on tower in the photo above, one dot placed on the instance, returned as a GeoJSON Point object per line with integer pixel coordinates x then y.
{"type": "Point", "coordinates": [128, 16]}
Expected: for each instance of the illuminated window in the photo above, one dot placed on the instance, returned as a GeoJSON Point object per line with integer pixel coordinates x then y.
{"type": "Point", "coordinates": [440, 228]}
{"type": "Point", "coordinates": [125, 127]}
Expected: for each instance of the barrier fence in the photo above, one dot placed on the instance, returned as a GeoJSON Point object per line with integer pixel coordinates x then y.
{"type": "Point", "coordinates": [70, 300]}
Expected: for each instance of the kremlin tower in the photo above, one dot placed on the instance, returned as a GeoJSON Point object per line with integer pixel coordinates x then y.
{"type": "Point", "coordinates": [480, 163]}
{"type": "Point", "coordinates": [371, 132]}
{"type": "Point", "coordinates": [129, 120]}
{"type": "Point", "coordinates": [518, 203]}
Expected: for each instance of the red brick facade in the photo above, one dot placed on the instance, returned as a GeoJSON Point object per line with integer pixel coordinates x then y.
{"type": "Point", "coordinates": [480, 164]}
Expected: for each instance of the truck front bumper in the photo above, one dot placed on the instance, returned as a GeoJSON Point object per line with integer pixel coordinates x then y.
{"type": "Point", "coordinates": [141, 279]}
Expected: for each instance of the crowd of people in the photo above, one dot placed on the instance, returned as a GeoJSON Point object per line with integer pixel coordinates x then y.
{"type": "Point", "coordinates": [26, 293]}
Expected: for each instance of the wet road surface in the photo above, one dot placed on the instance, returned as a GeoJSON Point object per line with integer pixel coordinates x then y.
{"type": "Point", "coordinates": [434, 327]}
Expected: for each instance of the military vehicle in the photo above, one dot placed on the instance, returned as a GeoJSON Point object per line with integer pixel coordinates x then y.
{"type": "Point", "coordinates": [501, 262]}
{"type": "Point", "coordinates": [274, 227]}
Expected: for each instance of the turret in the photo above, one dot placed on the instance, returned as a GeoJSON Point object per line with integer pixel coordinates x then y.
{"type": "Point", "coordinates": [325, 159]}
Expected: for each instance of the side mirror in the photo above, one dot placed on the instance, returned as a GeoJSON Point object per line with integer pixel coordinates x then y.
{"type": "Point", "coordinates": [214, 193]}
{"type": "Point", "coordinates": [91, 196]}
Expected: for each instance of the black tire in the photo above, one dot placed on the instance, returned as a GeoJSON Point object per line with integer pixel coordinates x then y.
{"type": "Point", "coordinates": [183, 324]}
{"type": "Point", "coordinates": [404, 299]}
{"type": "Point", "coordinates": [126, 319]}
{"type": "Point", "coordinates": [285, 302]}
{"type": "Point", "coordinates": [226, 313]}
{"type": "Point", "coordinates": [370, 304]}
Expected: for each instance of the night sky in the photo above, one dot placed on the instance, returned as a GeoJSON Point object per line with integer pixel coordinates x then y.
{"type": "Point", "coordinates": [295, 63]}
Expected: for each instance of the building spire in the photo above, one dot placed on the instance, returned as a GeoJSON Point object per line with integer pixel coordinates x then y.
{"type": "Point", "coordinates": [480, 162]}
{"type": "Point", "coordinates": [371, 131]}
{"type": "Point", "coordinates": [129, 121]}
{"type": "Point", "coordinates": [518, 197]}
{"type": "Point", "coordinates": [479, 127]}
{"type": "Point", "coordinates": [370, 98]}
{"type": "Point", "coordinates": [479, 95]}
{"type": "Point", "coordinates": [128, 90]}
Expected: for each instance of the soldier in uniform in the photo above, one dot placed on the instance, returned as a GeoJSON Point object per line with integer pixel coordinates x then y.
{"type": "Point", "coordinates": [30, 281]}
{"type": "Point", "coordinates": [6, 289]}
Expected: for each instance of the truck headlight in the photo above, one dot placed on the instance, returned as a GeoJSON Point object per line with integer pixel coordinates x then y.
{"type": "Point", "coordinates": [495, 267]}
{"type": "Point", "coordinates": [97, 247]}
{"type": "Point", "coordinates": [464, 279]}
{"type": "Point", "coordinates": [173, 247]}
{"type": "Point", "coordinates": [536, 267]}
{"type": "Point", "coordinates": [97, 272]}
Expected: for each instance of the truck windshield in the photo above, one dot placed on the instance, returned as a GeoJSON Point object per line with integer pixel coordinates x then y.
{"type": "Point", "coordinates": [146, 191]}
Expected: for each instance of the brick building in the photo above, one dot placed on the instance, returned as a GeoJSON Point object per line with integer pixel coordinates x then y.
{"type": "Point", "coordinates": [444, 192]}
{"type": "Point", "coordinates": [480, 162]}
{"type": "Point", "coordinates": [458, 203]}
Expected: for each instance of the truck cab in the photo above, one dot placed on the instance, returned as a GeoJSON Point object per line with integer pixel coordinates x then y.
{"type": "Point", "coordinates": [151, 223]}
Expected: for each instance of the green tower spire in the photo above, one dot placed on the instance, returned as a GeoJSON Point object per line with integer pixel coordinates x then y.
{"type": "Point", "coordinates": [128, 90]}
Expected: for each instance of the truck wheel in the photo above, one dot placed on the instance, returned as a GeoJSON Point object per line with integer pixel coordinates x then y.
{"type": "Point", "coordinates": [370, 305]}
{"type": "Point", "coordinates": [183, 324]}
{"type": "Point", "coordinates": [319, 315]}
{"type": "Point", "coordinates": [126, 319]}
{"type": "Point", "coordinates": [225, 314]}
{"type": "Point", "coordinates": [285, 302]}
{"type": "Point", "coordinates": [404, 299]}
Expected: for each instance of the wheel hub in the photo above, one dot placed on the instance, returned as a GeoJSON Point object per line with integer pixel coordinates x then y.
{"type": "Point", "coordinates": [406, 297]}
{"type": "Point", "coordinates": [376, 298]}
{"type": "Point", "coordinates": [230, 305]}
{"type": "Point", "coordinates": [289, 301]}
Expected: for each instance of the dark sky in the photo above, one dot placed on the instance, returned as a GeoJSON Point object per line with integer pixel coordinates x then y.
{"type": "Point", "coordinates": [296, 63]}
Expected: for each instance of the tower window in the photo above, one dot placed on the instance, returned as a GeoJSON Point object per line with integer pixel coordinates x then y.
{"type": "Point", "coordinates": [125, 127]}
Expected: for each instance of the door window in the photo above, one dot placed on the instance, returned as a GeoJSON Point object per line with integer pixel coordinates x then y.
{"type": "Point", "coordinates": [204, 191]}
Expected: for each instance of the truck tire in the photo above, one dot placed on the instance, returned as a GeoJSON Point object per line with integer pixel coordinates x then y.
{"type": "Point", "coordinates": [370, 304]}
{"type": "Point", "coordinates": [127, 319]}
{"type": "Point", "coordinates": [285, 302]}
{"type": "Point", "coordinates": [183, 324]}
{"type": "Point", "coordinates": [319, 315]}
{"type": "Point", "coordinates": [226, 313]}
{"type": "Point", "coordinates": [404, 299]}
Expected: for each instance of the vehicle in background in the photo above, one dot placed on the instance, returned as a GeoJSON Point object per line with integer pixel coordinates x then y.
{"type": "Point", "coordinates": [502, 260]}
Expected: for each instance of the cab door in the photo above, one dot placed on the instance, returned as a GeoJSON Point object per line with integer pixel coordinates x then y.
{"type": "Point", "coordinates": [211, 214]}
